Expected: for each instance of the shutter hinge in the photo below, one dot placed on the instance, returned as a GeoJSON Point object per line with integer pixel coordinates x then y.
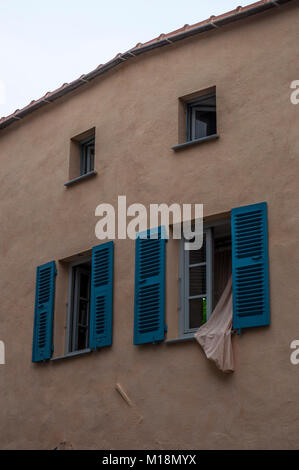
{"type": "Point", "coordinates": [237, 331]}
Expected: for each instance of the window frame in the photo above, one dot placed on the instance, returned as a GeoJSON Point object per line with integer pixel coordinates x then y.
{"type": "Point", "coordinates": [190, 108]}
{"type": "Point", "coordinates": [184, 315]}
{"type": "Point", "coordinates": [70, 328]}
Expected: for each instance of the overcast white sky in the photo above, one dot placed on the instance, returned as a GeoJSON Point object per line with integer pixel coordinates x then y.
{"type": "Point", "coordinates": [44, 44]}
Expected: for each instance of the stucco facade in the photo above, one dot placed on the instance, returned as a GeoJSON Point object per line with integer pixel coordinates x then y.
{"type": "Point", "coordinates": [179, 399]}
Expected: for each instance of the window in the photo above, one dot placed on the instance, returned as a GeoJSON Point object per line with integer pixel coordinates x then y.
{"type": "Point", "coordinates": [79, 306]}
{"type": "Point", "coordinates": [201, 117]}
{"type": "Point", "coordinates": [82, 157]}
{"type": "Point", "coordinates": [89, 304]}
{"type": "Point", "coordinates": [197, 284]}
{"type": "Point", "coordinates": [87, 156]}
{"type": "Point", "coordinates": [203, 276]}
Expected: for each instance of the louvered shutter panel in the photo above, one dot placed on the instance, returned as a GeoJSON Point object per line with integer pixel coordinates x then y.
{"type": "Point", "coordinates": [149, 311]}
{"type": "Point", "coordinates": [250, 266]}
{"type": "Point", "coordinates": [101, 298]}
{"type": "Point", "coordinates": [44, 311]}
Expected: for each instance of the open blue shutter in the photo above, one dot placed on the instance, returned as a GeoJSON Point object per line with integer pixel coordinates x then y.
{"type": "Point", "coordinates": [44, 311]}
{"type": "Point", "coordinates": [101, 298]}
{"type": "Point", "coordinates": [149, 313]}
{"type": "Point", "coordinates": [250, 266]}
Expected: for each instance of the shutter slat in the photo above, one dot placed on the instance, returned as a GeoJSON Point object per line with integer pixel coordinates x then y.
{"type": "Point", "coordinates": [149, 312]}
{"type": "Point", "coordinates": [250, 266]}
{"type": "Point", "coordinates": [101, 298]}
{"type": "Point", "coordinates": [42, 348]}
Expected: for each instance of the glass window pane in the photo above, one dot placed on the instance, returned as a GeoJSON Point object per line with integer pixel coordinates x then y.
{"type": "Point", "coordinates": [83, 312]}
{"type": "Point", "coordinates": [205, 123]}
{"type": "Point", "coordinates": [84, 285]}
{"type": "Point", "coordinates": [82, 338]}
{"type": "Point", "coordinates": [198, 256]}
{"type": "Point", "coordinates": [91, 157]}
{"type": "Point", "coordinates": [202, 120]}
{"type": "Point", "coordinates": [87, 156]}
{"type": "Point", "coordinates": [83, 161]}
{"type": "Point", "coordinates": [222, 266]}
{"type": "Point", "coordinates": [197, 280]}
{"type": "Point", "coordinates": [80, 307]}
{"type": "Point", "coordinates": [201, 125]}
{"type": "Point", "coordinates": [197, 312]}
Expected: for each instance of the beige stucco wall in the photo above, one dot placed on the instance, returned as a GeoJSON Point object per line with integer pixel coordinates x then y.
{"type": "Point", "coordinates": [180, 399]}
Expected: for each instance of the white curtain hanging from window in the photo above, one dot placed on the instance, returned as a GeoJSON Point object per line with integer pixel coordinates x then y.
{"type": "Point", "coordinates": [215, 335]}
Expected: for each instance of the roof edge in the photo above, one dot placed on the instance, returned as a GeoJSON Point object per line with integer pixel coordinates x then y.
{"type": "Point", "coordinates": [213, 23]}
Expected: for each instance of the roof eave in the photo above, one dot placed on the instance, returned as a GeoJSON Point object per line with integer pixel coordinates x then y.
{"type": "Point", "coordinates": [166, 40]}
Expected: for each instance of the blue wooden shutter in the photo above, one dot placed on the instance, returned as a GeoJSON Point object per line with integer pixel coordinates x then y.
{"type": "Point", "coordinates": [250, 266]}
{"type": "Point", "coordinates": [149, 312]}
{"type": "Point", "coordinates": [44, 311]}
{"type": "Point", "coordinates": [101, 298]}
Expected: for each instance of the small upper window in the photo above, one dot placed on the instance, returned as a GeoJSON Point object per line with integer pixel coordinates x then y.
{"type": "Point", "coordinates": [82, 157]}
{"type": "Point", "coordinates": [201, 117]}
{"type": "Point", "coordinates": [87, 155]}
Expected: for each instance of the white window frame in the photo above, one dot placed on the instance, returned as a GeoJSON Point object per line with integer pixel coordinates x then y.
{"type": "Point", "coordinates": [184, 297]}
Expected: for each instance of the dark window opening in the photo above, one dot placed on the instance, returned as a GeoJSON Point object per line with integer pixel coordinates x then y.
{"type": "Point", "coordinates": [80, 303]}
{"type": "Point", "coordinates": [222, 260]}
{"type": "Point", "coordinates": [201, 117]}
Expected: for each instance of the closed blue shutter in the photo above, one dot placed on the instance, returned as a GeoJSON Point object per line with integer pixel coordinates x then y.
{"type": "Point", "coordinates": [250, 266]}
{"type": "Point", "coordinates": [44, 311]}
{"type": "Point", "coordinates": [101, 298]}
{"type": "Point", "coordinates": [149, 312]}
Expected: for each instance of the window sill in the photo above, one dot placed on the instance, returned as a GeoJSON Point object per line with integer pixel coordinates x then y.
{"type": "Point", "coordinates": [72, 354]}
{"type": "Point", "coordinates": [181, 339]}
{"type": "Point", "coordinates": [80, 178]}
{"type": "Point", "coordinates": [190, 143]}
